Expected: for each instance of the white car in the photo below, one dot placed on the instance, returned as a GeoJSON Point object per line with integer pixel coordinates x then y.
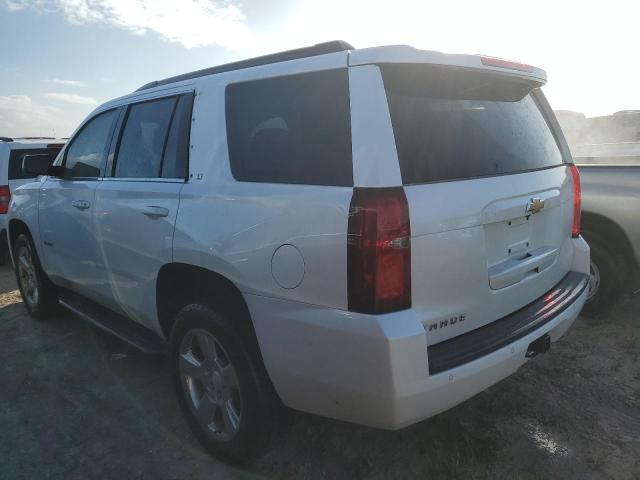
{"type": "Point", "coordinates": [371, 235]}
{"type": "Point", "coordinates": [12, 153]}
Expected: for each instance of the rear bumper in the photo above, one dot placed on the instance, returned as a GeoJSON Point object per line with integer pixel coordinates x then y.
{"type": "Point", "coordinates": [444, 390]}
{"type": "Point", "coordinates": [504, 331]}
{"type": "Point", "coordinates": [374, 370]}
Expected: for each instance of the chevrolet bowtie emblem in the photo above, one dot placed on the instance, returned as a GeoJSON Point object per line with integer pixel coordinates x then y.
{"type": "Point", "coordinates": [534, 206]}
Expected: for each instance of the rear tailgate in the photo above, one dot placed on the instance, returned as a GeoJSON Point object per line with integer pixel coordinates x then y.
{"type": "Point", "coordinates": [490, 197]}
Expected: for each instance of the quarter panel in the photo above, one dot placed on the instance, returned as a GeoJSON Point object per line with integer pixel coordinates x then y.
{"type": "Point", "coordinates": [234, 228]}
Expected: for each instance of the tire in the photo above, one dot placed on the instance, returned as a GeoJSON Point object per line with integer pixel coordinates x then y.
{"type": "Point", "coordinates": [233, 412]}
{"type": "Point", "coordinates": [606, 282]}
{"type": "Point", "coordinates": [38, 293]}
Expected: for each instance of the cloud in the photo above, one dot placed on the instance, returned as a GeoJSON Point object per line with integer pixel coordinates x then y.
{"type": "Point", "coordinates": [72, 98]}
{"type": "Point", "coordinates": [68, 83]}
{"type": "Point", "coordinates": [20, 116]}
{"type": "Point", "coordinates": [192, 23]}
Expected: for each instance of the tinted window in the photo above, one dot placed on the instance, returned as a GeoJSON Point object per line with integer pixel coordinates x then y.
{"type": "Point", "coordinates": [143, 139]}
{"type": "Point", "coordinates": [176, 153]}
{"type": "Point", "coordinates": [451, 124]}
{"type": "Point", "coordinates": [85, 155]}
{"type": "Point", "coordinates": [17, 156]}
{"type": "Point", "coordinates": [292, 129]}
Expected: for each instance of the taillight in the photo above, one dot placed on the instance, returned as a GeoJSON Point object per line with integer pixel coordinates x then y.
{"type": "Point", "coordinates": [5, 198]}
{"type": "Point", "coordinates": [379, 251]}
{"type": "Point", "coordinates": [577, 200]}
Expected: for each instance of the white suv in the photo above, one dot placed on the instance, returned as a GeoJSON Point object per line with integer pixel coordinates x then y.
{"type": "Point", "coordinates": [12, 154]}
{"type": "Point", "coordinates": [371, 235]}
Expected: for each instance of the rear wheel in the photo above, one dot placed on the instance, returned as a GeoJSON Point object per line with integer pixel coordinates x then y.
{"type": "Point", "coordinates": [38, 293]}
{"type": "Point", "coordinates": [605, 278]}
{"type": "Point", "coordinates": [221, 390]}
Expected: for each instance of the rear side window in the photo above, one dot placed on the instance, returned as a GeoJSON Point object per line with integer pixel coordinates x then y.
{"type": "Point", "coordinates": [86, 153]}
{"type": "Point", "coordinates": [155, 139]}
{"type": "Point", "coordinates": [291, 129]}
{"type": "Point", "coordinates": [453, 124]}
{"type": "Point", "coordinates": [17, 156]}
{"type": "Point", "coordinates": [176, 153]}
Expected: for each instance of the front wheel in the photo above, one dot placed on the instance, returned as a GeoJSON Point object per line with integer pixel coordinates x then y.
{"type": "Point", "coordinates": [38, 293]}
{"type": "Point", "coordinates": [221, 390]}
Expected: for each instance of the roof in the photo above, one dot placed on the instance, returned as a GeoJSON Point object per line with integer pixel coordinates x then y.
{"type": "Point", "coordinates": [318, 49]}
{"type": "Point", "coordinates": [374, 55]}
{"type": "Point", "coordinates": [16, 142]}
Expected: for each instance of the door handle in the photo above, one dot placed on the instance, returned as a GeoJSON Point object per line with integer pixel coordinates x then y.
{"type": "Point", "coordinates": [80, 204]}
{"type": "Point", "coordinates": [155, 211]}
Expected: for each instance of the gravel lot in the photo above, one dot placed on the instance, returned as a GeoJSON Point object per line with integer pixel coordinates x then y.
{"type": "Point", "coordinates": [76, 403]}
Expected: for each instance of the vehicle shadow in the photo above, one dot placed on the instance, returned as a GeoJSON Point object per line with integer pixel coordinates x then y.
{"type": "Point", "coordinates": [78, 393]}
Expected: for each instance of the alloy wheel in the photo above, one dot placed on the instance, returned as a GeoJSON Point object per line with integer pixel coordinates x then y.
{"type": "Point", "coordinates": [594, 280]}
{"type": "Point", "coordinates": [210, 384]}
{"type": "Point", "coordinates": [28, 276]}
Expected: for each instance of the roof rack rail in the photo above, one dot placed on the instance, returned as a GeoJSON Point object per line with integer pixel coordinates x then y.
{"type": "Point", "coordinates": [6, 139]}
{"type": "Point", "coordinates": [318, 49]}
{"type": "Point", "coordinates": [35, 138]}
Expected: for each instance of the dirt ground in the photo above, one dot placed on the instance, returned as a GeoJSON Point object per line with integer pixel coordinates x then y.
{"type": "Point", "coordinates": [76, 403]}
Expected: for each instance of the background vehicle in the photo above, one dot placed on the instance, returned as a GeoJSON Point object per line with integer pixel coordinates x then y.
{"type": "Point", "coordinates": [607, 150]}
{"type": "Point", "coordinates": [12, 152]}
{"type": "Point", "coordinates": [610, 175]}
{"type": "Point", "coordinates": [371, 235]}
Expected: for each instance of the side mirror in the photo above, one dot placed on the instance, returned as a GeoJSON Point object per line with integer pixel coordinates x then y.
{"type": "Point", "coordinates": [56, 171]}
{"type": "Point", "coordinates": [37, 164]}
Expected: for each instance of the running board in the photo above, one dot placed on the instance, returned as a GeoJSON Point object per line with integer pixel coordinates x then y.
{"type": "Point", "coordinates": [125, 329]}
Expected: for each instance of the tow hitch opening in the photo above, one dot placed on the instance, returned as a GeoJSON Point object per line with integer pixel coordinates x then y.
{"type": "Point", "coordinates": [540, 345]}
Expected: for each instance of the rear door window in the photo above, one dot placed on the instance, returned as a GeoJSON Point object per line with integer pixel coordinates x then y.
{"type": "Point", "coordinates": [291, 129]}
{"type": "Point", "coordinates": [154, 142]}
{"type": "Point", "coordinates": [452, 124]}
{"type": "Point", "coordinates": [143, 139]}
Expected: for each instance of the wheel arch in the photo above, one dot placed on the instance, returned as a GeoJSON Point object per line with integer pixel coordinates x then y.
{"type": "Point", "coordinates": [180, 284]}
{"type": "Point", "coordinates": [15, 228]}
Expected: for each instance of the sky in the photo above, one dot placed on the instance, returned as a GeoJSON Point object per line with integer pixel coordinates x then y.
{"type": "Point", "coordinates": [59, 59]}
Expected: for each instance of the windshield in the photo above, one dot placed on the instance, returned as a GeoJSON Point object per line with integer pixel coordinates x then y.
{"type": "Point", "coordinates": [451, 125]}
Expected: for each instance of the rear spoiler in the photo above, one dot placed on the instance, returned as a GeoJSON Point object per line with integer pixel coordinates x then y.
{"type": "Point", "coordinates": [406, 54]}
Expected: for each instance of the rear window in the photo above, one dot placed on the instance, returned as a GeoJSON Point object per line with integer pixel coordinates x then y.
{"type": "Point", "coordinates": [291, 129]}
{"type": "Point", "coordinates": [17, 156]}
{"type": "Point", "coordinates": [452, 124]}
